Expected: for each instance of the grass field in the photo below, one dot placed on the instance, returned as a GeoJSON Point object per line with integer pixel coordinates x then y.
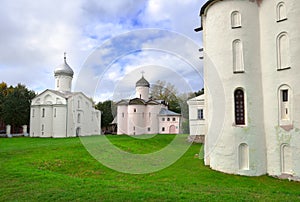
{"type": "Point", "coordinates": [36, 169]}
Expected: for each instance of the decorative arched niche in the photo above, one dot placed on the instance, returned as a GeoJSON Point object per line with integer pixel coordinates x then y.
{"type": "Point", "coordinates": [238, 57]}
{"type": "Point", "coordinates": [281, 12]}
{"type": "Point", "coordinates": [283, 51]}
{"type": "Point", "coordinates": [243, 156]}
{"type": "Point", "coordinates": [236, 21]}
{"type": "Point", "coordinates": [286, 159]}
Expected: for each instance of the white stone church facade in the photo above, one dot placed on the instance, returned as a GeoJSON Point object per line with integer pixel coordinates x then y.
{"type": "Point", "coordinates": [142, 115]}
{"type": "Point", "coordinates": [197, 123]}
{"type": "Point", "coordinates": [252, 49]}
{"type": "Point", "coordinates": [62, 113]}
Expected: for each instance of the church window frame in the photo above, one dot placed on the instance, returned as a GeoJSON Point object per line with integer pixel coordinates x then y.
{"type": "Point", "coordinates": [43, 112]}
{"type": "Point", "coordinates": [78, 104]}
{"type": "Point", "coordinates": [174, 119]}
{"type": "Point", "coordinates": [42, 129]}
{"type": "Point", "coordinates": [239, 107]}
{"type": "Point", "coordinates": [168, 119]}
{"type": "Point", "coordinates": [54, 113]}
{"type": "Point", "coordinates": [163, 129]}
{"type": "Point", "coordinates": [123, 114]}
{"type": "Point", "coordinates": [78, 118]}
{"type": "Point", "coordinates": [163, 119]}
{"type": "Point", "coordinates": [149, 129]}
{"type": "Point", "coordinates": [134, 110]}
{"type": "Point", "coordinates": [285, 105]}
{"type": "Point", "coordinates": [33, 112]}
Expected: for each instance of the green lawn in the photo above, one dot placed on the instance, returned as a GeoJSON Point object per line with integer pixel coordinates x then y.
{"type": "Point", "coordinates": [36, 169]}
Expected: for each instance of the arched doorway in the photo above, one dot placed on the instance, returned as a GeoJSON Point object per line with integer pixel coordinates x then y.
{"type": "Point", "coordinates": [78, 131]}
{"type": "Point", "coordinates": [172, 129]}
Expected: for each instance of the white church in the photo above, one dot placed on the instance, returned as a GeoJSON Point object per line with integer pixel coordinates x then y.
{"type": "Point", "coordinates": [142, 115]}
{"type": "Point", "coordinates": [197, 123]}
{"type": "Point", "coordinates": [252, 85]}
{"type": "Point", "coordinates": [62, 113]}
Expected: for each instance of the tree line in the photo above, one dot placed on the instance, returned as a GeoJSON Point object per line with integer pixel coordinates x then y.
{"type": "Point", "coordinates": [15, 105]}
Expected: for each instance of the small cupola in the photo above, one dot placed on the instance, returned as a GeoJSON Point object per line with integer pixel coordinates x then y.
{"type": "Point", "coordinates": [64, 69]}
{"type": "Point", "coordinates": [142, 82]}
{"type": "Point", "coordinates": [142, 88]}
{"type": "Point", "coordinates": [63, 76]}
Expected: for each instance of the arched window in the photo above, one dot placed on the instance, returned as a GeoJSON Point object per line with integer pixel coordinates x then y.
{"type": "Point", "coordinates": [244, 156]}
{"type": "Point", "coordinates": [78, 118]}
{"type": "Point", "coordinates": [43, 112]}
{"type": "Point", "coordinates": [285, 105]}
{"type": "Point", "coordinates": [54, 114]}
{"type": "Point", "coordinates": [239, 107]}
{"type": "Point", "coordinates": [283, 60]}
{"type": "Point", "coordinates": [281, 12]}
{"type": "Point", "coordinates": [236, 19]}
{"type": "Point", "coordinates": [42, 129]}
{"type": "Point", "coordinates": [238, 58]}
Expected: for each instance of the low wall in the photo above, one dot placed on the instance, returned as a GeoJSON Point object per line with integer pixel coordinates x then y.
{"type": "Point", "coordinates": [197, 138]}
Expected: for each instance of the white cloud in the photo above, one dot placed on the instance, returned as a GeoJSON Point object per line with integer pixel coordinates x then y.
{"type": "Point", "coordinates": [34, 35]}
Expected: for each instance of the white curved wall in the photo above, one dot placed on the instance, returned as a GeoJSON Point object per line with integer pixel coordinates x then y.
{"type": "Point", "coordinates": [219, 37]}
{"type": "Point", "coordinates": [270, 40]}
{"type": "Point", "coordinates": [63, 83]}
{"type": "Point", "coordinates": [142, 92]}
{"type": "Point", "coordinates": [277, 133]}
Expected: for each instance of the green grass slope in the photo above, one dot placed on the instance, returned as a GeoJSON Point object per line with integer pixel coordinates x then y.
{"type": "Point", "coordinates": [36, 169]}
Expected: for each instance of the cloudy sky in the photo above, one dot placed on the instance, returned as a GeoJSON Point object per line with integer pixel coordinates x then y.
{"type": "Point", "coordinates": [108, 43]}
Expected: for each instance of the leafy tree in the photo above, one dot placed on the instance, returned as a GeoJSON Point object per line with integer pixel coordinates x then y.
{"type": "Point", "coordinates": [167, 92]}
{"type": "Point", "coordinates": [107, 109]}
{"type": "Point", "coordinates": [199, 92]}
{"type": "Point", "coordinates": [3, 93]}
{"type": "Point", "coordinates": [16, 106]}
